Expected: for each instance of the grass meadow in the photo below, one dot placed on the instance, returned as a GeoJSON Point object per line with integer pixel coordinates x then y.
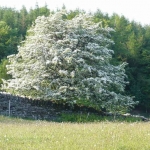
{"type": "Point", "coordinates": [19, 134]}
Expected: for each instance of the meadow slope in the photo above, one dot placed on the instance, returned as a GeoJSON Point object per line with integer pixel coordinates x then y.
{"type": "Point", "coordinates": [19, 134]}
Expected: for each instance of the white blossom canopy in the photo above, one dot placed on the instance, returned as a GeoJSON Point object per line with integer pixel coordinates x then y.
{"type": "Point", "coordinates": [68, 60]}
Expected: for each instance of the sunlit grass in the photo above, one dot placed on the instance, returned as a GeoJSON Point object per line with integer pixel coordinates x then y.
{"type": "Point", "coordinates": [18, 134]}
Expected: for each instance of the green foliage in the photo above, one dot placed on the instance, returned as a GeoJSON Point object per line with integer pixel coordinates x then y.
{"type": "Point", "coordinates": [3, 71]}
{"type": "Point", "coordinates": [8, 40]}
{"type": "Point", "coordinates": [71, 14]}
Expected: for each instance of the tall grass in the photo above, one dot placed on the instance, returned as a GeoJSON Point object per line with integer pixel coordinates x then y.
{"type": "Point", "coordinates": [18, 134]}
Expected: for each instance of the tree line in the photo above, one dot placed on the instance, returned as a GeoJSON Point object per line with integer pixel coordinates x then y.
{"type": "Point", "coordinates": [132, 44]}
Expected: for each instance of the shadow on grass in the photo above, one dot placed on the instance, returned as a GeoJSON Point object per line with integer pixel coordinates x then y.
{"type": "Point", "coordinates": [87, 117]}
{"type": "Point", "coordinates": [77, 117]}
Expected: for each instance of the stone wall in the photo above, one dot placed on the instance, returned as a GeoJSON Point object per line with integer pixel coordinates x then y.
{"type": "Point", "coordinates": [27, 108]}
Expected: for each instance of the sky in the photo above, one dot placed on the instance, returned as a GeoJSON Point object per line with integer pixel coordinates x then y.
{"type": "Point", "coordinates": [137, 10]}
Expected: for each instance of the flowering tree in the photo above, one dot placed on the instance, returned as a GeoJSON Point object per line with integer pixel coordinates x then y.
{"type": "Point", "coordinates": [68, 60]}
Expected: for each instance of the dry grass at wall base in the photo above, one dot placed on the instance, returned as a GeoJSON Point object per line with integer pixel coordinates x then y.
{"type": "Point", "coordinates": [19, 134]}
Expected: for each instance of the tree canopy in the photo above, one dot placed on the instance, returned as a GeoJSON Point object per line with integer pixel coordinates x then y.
{"type": "Point", "coordinates": [68, 60]}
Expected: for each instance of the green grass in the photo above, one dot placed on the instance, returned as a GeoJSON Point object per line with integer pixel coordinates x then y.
{"type": "Point", "coordinates": [19, 134]}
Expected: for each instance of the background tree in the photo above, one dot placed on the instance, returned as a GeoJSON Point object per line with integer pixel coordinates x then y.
{"type": "Point", "coordinates": [3, 70]}
{"type": "Point", "coordinates": [23, 21]}
{"type": "Point", "coordinates": [8, 40]}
